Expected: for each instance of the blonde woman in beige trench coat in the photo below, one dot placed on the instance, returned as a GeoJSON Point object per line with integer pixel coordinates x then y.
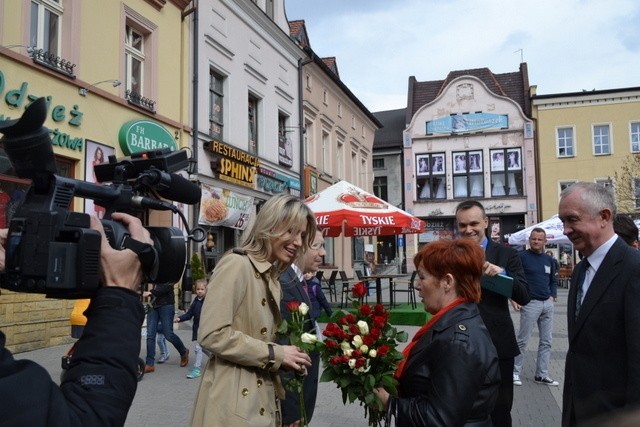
{"type": "Point", "coordinates": [240, 316]}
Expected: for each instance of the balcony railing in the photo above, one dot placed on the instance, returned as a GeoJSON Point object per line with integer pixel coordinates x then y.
{"type": "Point", "coordinates": [53, 62]}
{"type": "Point", "coordinates": [140, 101]}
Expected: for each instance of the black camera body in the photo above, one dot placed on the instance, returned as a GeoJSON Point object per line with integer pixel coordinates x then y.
{"type": "Point", "coordinates": [52, 250]}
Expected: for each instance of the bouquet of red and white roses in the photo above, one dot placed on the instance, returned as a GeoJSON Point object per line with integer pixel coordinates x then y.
{"type": "Point", "coordinates": [359, 354]}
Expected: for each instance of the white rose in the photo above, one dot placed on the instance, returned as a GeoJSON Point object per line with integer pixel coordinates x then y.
{"type": "Point", "coordinates": [363, 326]}
{"type": "Point", "coordinates": [303, 309]}
{"type": "Point", "coordinates": [348, 353]}
{"type": "Point", "coordinates": [345, 346]}
{"type": "Point", "coordinates": [308, 338]}
{"type": "Point", "coordinates": [364, 349]}
{"type": "Point", "coordinates": [352, 363]}
{"type": "Point", "coordinates": [373, 353]}
{"type": "Point", "coordinates": [357, 341]}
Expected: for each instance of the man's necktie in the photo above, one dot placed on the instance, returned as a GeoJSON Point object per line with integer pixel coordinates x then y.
{"type": "Point", "coordinates": [580, 283]}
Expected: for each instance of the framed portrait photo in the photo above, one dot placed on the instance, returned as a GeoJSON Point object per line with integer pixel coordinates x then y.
{"type": "Point", "coordinates": [514, 159]}
{"type": "Point", "coordinates": [459, 162]}
{"type": "Point", "coordinates": [422, 164]}
{"type": "Point", "coordinates": [497, 160]}
{"type": "Point", "coordinates": [95, 153]}
{"type": "Point", "coordinates": [474, 159]}
{"type": "Point", "coordinates": [437, 164]}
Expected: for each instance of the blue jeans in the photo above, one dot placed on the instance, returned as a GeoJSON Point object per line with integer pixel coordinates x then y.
{"type": "Point", "coordinates": [540, 312]}
{"type": "Point", "coordinates": [164, 313]}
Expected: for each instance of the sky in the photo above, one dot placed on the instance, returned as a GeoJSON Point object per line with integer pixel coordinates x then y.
{"type": "Point", "coordinates": [568, 45]}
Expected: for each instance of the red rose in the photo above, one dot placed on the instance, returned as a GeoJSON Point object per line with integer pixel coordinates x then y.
{"type": "Point", "coordinates": [375, 333]}
{"type": "Point", "coordinates": [379, 321]}
{"type": "Point", "coordinates": [360, 362]}
{"type": "Point", "coordinates": [379, 309]}
{"type": "Point", "coordinates": [345, 359]}
{"type": "Point", "coordinates": [359, 290]}
{"type": "Point", "coordinates": [383, 350]}
{"type": "Point", "coordinates": [369, 340]}
{"type": "Point", "coordinates": [293, 306]}
{"type": "Point", "coordinates": [354, 329]}
{"type": "Point", "coordinates": [350, 318]}
{"type": "Point", "coordinates": [365, 309]}
{"type": "Point", "coordinates": [335, 360]}
{"type": "Point", "coordinates": [333, 345]}
{"type": "Point", "coordinates": [356, 354]}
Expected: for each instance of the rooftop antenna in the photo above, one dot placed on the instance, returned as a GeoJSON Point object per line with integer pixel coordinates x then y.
{"type": "Point", "coordinates": [521, 54]}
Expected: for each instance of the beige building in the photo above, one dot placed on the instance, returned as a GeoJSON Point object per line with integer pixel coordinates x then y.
{"type": "Point", "coordinates": [470, 136]}
{"type": "Point", "coordinates": [115, 81]}
{"type": "Point", "coordinates": [586, 136]}
{"type": "Point", "coordinates": [338, 140]}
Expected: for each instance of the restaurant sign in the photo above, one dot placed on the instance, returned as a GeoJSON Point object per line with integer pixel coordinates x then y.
{"type": "Point", "coordinates": [221, 207]}
{"type": "Point", "coordinates": [232, 164]}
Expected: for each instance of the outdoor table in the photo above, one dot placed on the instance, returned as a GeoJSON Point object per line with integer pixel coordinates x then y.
{"type": "Point", "coordinates": [378, 278]}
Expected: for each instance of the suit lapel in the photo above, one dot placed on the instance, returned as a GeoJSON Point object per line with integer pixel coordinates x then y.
{"type": "Point", "coordinates": [604, 277]}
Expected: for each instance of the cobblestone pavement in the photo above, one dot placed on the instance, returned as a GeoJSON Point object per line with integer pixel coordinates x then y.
{"type": "Point", "coordinates": [165, 397]}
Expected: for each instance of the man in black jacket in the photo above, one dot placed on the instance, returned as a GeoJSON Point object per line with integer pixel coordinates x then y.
{"type": "Point", "coordinates": [472, 223]}
{"type": "Point", "coordinates": [100, 384]}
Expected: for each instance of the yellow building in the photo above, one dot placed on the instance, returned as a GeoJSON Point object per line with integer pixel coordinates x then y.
{"type": "Point", "coordinates": [115, 80]}
{"type": "Point", "coordinates": [584, 136]}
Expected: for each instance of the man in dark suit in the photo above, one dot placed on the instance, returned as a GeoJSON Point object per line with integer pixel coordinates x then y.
{"type": "Point", "coordinates": [602, 371]}
{"type": "Point", "coordinates": [294, 289]}
{"type": "Point", "coordinates": [472, 223]}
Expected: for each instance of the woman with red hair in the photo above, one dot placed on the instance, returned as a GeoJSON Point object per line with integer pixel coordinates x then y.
{"type": "Point", "coordinates": [450, 374]}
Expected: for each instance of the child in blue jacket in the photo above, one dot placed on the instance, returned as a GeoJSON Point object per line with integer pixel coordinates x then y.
{"type": "Point", "coordinates": [194, 313]}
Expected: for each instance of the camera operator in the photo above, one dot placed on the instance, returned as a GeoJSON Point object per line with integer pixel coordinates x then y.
{"type": "Point", "coordinates": [100, 384]}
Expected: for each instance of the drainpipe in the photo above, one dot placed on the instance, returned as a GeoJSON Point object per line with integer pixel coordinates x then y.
{"type": "Point", "coordinates": [301, 129]}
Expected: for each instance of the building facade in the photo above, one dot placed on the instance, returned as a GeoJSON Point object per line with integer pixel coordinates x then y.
{"type": "Point", "coordinates": [470, 136]}
{"type": "Point", "coordinates": [588, 136]}
{"type": "Point", "coordinates": [338, 139]}
{"type": "Point", "coordinates": [114, 91]}
{"type": "Point", "coordinates": [387, 179]}
{"type": "Point", "coordinates": [247, 122]}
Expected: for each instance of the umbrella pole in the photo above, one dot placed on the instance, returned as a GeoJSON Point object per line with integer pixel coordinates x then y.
{"type": "Point", "coordinates": [343, 244]}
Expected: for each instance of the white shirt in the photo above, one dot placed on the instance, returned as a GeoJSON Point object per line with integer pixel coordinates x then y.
{"type": "Point", "coordinates": [595, 259]}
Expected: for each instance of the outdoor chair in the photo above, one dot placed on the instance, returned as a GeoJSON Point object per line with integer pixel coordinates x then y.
{"type": "Point", "coordinates": [405, 286]}
{"type": "Point", "coordinates": [329, 285]}
{"type": "Point", "coordinates": [347, 282]}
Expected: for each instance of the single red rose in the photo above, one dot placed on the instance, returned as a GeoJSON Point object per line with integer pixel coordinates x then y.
{"type": "Point", "coordinates": [366, 310]}
{"type": "Point", "coordinates": [350, 318]}
{"type": "Point", "coordinates": [369, 340]}
{"type": "Point", "coordinates": [354, 329]}
{"type": "Point", "coordinates": [360, 362]}
{"type": "Point", "coordinates": [359, 290]}
{"type": "Point", "coordinates": [383, 350]}
{"type": "Point", "coordinates": [343, 320]}
{"type": "Point", "coordinates": [375, 333]}
{"type": "Point", "coordinates": [356, 353]}
{"type": "Point", "coordinates": [345, 359]}
{"type": "Point", "coordinates": [333, 345]}
{"type": "Point", "coordinates": [379, 309]}
{"type": "Point", "coordinates": [335, 360]}
{"type": "Point", "coordinates": [379, 321]}
{"type": "Point", "coordinates": [293, 306]}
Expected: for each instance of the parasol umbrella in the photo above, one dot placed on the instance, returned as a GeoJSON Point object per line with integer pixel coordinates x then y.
{"type": "Point", "coordinates": [344, 209]}
{"type": "Point", "coordinates": [552, 227]}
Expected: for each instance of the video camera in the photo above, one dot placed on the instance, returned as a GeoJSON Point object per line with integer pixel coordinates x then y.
{"type": "Point", "coordinates": [52, 250]}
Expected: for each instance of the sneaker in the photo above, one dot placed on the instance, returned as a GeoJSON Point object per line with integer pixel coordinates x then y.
{"type": "Point", "coordinates": [163, 357]}
{"type": "Point", "coordinates": [547, 381]}
{"type": "Point", "coordinates": [148, 369]}
{"type": "Point", "coordinates": [184, 359]}
{"type": "Point", "coordinates": [516, 379]}
{"type": "Point", "coordinates": [194, 373]}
